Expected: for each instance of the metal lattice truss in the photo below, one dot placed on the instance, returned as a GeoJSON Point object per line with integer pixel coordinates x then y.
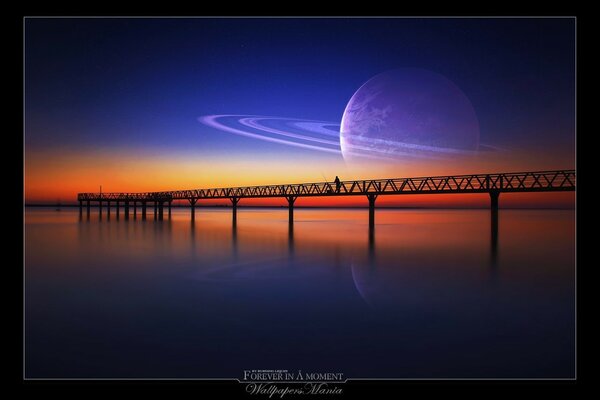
{"type": "Point", "coordinates": [543, 181]}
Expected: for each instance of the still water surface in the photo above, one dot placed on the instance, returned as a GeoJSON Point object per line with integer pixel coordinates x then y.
{"type": "Point", "coordinates": [425, 296]}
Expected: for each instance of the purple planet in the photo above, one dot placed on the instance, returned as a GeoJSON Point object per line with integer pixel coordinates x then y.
{"type": "Point", "coordinates": [408, 112]}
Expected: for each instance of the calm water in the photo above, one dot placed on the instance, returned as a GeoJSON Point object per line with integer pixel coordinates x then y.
{"type": "Point", "coordinates": [425, 297]}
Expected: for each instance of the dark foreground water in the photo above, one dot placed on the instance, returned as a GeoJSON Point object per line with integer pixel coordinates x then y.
{"type": "Point", "coordinates": [424, 297]}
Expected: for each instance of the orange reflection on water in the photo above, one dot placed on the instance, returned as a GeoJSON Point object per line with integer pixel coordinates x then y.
{"type": "Point", "coordinates": [407, 239]}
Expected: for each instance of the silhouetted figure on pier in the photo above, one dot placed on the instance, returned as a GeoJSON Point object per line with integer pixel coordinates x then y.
{"type": "Point", "coordinates": [337, 184]}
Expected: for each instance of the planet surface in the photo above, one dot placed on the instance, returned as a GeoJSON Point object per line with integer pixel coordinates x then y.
{"type": "Point", "coordinates": [408, 112]}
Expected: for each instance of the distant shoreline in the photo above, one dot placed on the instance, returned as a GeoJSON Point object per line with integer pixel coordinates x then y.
{"type": "Point", "coordinates": [59, 206]}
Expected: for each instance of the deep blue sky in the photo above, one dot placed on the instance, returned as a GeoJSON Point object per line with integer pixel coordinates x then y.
{"type": "Point", "coordinates": [118, 82]}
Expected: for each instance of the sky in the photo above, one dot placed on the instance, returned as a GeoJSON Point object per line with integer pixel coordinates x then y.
{"type": "Point", "coordinates": [117, 102]}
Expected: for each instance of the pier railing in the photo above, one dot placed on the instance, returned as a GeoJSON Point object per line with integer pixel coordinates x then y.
{"type": "Point", "coordinates": [541, 181]}
{"type": "Point", "coordinates": [494, 184]}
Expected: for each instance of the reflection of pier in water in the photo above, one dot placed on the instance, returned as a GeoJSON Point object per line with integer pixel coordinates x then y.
{"type": "Point", "coordinates": [494, 232]}
{"type": "Point", "coordinates": [493, 184]}
{"type": "Point", "coordinates": [371, 242]}
{"type": "Point", "coordinates": [291, 237]}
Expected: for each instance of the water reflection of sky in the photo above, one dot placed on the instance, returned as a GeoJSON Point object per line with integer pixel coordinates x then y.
{"type": "Point", "coordinates": [176, 299]}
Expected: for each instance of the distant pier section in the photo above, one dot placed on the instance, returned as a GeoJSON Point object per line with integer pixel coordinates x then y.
{"type": "Point", "coordinates": [493, 184]}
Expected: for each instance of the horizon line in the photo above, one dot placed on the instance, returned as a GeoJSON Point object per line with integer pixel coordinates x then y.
{"type": "Point", "coordinates": [59, 205]}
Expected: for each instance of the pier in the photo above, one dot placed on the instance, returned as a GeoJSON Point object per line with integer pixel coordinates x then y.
{"type": "Point", "coordinates": [493, 184]}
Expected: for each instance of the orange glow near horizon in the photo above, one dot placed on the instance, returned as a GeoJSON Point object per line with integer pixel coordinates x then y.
{"type": "Point", "coordinates": [52, 177]}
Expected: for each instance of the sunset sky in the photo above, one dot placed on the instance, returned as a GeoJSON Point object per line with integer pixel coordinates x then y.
{"type": "Point", "coordinates": [117, 102]}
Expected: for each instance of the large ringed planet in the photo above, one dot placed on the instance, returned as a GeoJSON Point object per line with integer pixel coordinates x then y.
{"type": "Point", "coordinates": [396, 115]}
{"type": "Point", "coordinates": [408, 111]}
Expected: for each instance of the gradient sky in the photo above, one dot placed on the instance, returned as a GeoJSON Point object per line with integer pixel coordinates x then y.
{"type": "Point", "coordinates": [116, 101]}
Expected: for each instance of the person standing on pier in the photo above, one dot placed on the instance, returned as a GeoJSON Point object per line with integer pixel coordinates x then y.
{"type": "Point", "coordinates": [337, 184]}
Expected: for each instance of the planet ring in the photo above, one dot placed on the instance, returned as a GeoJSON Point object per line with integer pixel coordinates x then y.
{"type": "Point", "coordinates": [321, 136]}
